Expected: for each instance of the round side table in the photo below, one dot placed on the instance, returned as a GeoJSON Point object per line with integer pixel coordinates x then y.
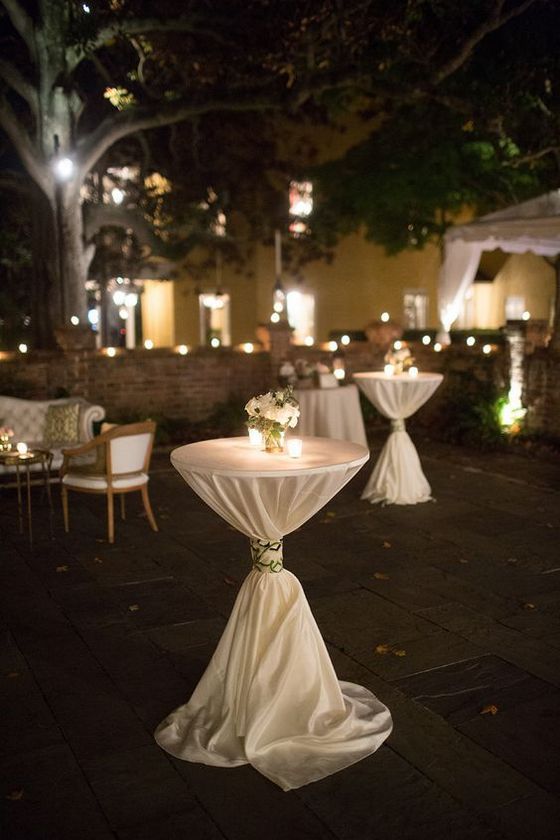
{"type": "Point", "coordinates": [22, 461]}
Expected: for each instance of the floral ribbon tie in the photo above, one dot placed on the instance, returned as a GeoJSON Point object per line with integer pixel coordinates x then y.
{"type": "Point", "coordinates": [267, 555]}
{"type": "Point", "coordinates": [398, 425]}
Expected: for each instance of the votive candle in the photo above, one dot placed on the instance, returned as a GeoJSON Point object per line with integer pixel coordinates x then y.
{"type": "Point", "coordinates": [295, 447]}
{"type": "Point", "coordinates": [255, 437]}
{"type": "Point", "coordinates": [389, 370]}
{"type": "Point", "coordinates": [22, 448]}
{"type": "Point", "coordinates": [413, 371]}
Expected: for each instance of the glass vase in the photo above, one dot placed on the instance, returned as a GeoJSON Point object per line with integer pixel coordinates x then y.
{"type": "Point", "coordinates": [273, 440]}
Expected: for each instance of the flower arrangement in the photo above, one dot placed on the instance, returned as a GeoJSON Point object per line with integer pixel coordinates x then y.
{"type": "Point", "coordinates": [302, 373]}
{"type": "Point", "coordinates": [272, 413]}
{"type": "Point", "coordinates": [5, 434]}
{"type": "Point", "coordinates": [400, 357]}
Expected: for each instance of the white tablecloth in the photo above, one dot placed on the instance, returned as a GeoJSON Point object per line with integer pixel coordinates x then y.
{"type": "Point", "coordinates": [397, 477]}
{"type": "Point", "coordinates": [270, 696]}
{"type": "Point", "coordinates": [331, 412]}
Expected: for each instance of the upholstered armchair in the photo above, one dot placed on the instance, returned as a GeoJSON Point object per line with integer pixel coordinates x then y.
{"type": "Point", "coordinates": [122, 458]}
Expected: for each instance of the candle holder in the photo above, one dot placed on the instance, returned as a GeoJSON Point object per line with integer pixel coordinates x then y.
{"type": "Point", "coordinates": [295, 447]}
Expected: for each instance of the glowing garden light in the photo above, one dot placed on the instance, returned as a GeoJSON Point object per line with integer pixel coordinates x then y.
{"type": "Point", "coordinates": [385, 317]}
{"type": "Point", "coordinates": [215, 342]}
{"type": "Point", "coordinates": [64, 168]}
{"type": "Point", "coordinates": [345, 340]}
{"type": "Point", "coordinates": [526, 315]}
{"type": "Point", "coordinates": [426, 339]}
{"type": "Point", "coordinates": [248, 347]}
{"type": "Point", "coordinates": [471, 341]}
{"type": "Point", "coordinates": [117, 195]}
{"type": "Point", "coordinates": [437, 347]}
{"type": "Point", "coordinates": [309, 341]}
{"type": "Point", "coordinates": [275, 317]}
{"type": "Point", "coordinates": [182, 349]}
{"type": "Point", "coordinates": [22, 348]}
{"type": "Point", "coordinates": [487, 349]}
{"type": "Point", "coordinates": [332, 345]}
{"type": "Point", "coordinates": [111, 352]}
{"type": "Point", "coordinates": [397, 345]}
{"type": "Point", "coordinates": [149, 344]}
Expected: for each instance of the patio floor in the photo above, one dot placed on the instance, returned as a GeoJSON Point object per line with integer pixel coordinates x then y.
{"type": "Point", "coordinates": [447, 611]}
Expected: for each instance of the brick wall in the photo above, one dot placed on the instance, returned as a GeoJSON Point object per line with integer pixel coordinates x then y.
{"type": "Point", "coordinates": [151, 381]}
{"type": "Point", "coordinates": [162, 382]}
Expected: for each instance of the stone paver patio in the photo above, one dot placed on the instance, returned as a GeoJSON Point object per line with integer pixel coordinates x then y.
{"type": "Point", "coordinates": [449, 612]}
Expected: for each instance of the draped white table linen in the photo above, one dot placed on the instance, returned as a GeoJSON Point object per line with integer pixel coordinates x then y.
{"type": "Point", "coordinates": [270, 696]}
{"type": "Point", "coordinates": [397, 477]}
{"type": "Point", "coordinates": [332, 413]}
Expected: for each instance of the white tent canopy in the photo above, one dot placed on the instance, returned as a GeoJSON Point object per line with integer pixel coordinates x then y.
{"type": "Point", "coordinates": [531, 226]}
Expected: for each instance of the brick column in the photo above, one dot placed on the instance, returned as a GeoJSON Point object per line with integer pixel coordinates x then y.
{"type": "Point", "coordinates": [515, 336]}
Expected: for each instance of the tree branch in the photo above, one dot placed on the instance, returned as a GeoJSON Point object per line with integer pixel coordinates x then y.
{"type": "Point", "coordinates": [140, 26]}
{"type": "Point", "coordinates": [114, 128]}
{"type": "Point", "coordinates": [549, 150]}
{"type": "Point", "coordinates": [24, 147]}
{"type": "Point", "coordinates": [496, 20]}
{"type": "Point", "coordinates": [21, 22]}
{"type": "Point", "coordinates": [10, 73]}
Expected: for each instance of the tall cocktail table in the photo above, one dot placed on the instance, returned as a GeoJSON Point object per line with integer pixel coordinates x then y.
{"type": "Point", "coordinates": [397, 477]}
{"type": "Point", "coordinates": [270, 696]}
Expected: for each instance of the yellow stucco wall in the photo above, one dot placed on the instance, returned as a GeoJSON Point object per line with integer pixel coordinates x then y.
{"type": "Point", "coordinates": [522, 275]}
{"type": "Point", "coordinates": [243, 305]}
{"type": "Point", "coordinates": [157, 312]}
{"type": "Point", "coordinates": [360, 283]}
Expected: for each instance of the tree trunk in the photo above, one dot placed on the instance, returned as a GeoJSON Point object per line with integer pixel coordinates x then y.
{"type": "Point", "coordinates": [45, 297]}
{"type": "Point", "coordinates": [72, 259]}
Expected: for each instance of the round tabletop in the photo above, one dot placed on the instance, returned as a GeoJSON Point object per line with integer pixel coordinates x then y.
{"type": "Point", "coordinates": [236, 457]}
{"type": "Point", "coordinates": [398, 377]}
{"type": "Point", "coordinates": [32, 456]}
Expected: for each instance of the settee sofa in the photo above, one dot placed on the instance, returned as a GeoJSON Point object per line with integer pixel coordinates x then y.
{"type": "Point", "coordinates": [28, 419]}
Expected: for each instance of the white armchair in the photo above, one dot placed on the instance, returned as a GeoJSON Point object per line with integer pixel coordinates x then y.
{"type": "Point", "coordinates": [122, 460]}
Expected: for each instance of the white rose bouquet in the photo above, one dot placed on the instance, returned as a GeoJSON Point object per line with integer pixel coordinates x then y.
{"type": "Point", "coordinates": [400, 357]}
{"type": "Point", "coordinates": [272, 413]}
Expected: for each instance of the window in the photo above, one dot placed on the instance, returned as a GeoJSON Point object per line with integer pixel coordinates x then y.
{"type": "Point", "coordinates": [214, 320]}
{"type": "Point", "coordinates": [415, 306]}
{"type": "Point", "coordinates": [515, 307]}
{"type": "Point", "coordinates": [301, 206]}
{"type": "Point", "coordinates": [301, 315]}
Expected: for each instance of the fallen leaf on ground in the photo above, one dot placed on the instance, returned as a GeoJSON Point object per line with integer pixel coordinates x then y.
{"type": "Point", "coordinates": [230, 581]}
{"type": "Point", "coordinates": [164, 516]}
{"type": "Point", "coordinates": [399, 652]}
{"type": "Point", "coordinates": [386, 544]}
{"type": "Point", "coordinates": [62, 568]}
{"type": "Point", "coordinates": [491, 709]}
{"type": "Point", "coordinates": [14, 795]}
{"type": "Point", "coordinates": [529, 606]}
{"type": "Point", "coordinates": [380, 576]}
{"type": "Point", "coordinates": [382, 649]}
{"type": "Point", "coordinates": [331, 514]}
{"type": "Point", "coordinates": [463, 560]}
{"type": "Point", "coordinates": [511, 560]}
{"type": "Point", "coordinates": [97, 560]}
{"type": "Point", "coordinates": [98, 539]}
{"type": "Point", "coordinates": [13, 675]}
{"type": "Point", "coordinates": [134, 607]}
